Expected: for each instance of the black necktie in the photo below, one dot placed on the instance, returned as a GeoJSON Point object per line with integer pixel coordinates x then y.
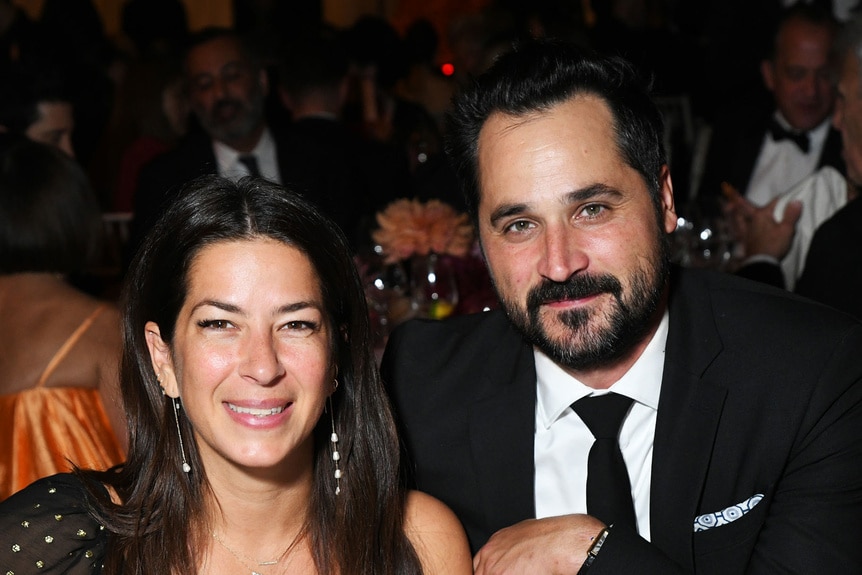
{"type": "Point", "coordinates": [250, 163]}
{"type": "Point", "coordinates": [779, 132]}
{"type": "Point", "coordinates": [609, 492]}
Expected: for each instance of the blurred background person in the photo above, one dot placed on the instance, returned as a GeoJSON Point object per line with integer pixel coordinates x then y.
{"type": "Point", "coordinates": [152, 116]}
{"type": "Point", "coordinates": [227, 87]}
{"type": "Point", "coordinates": [762, 153]}
{"type": "Point", "coordinates": [423, 82]}
{"type": "Point", "coordinates": [816, 252]}
{"type": "Point", "coordinates": [34, 103]}
{"type": "Point", "coordinates": [323, 159]}
{"type": "Point", "coordinates": [59, 403]}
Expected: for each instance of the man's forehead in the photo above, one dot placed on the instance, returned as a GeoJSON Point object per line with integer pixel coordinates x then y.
{"type": "Point", "coordinates": [797, 32]}
{"type": "Point", "coordinates": [214, 54]}
{"type": "Point", "coordinates": [567, 114]}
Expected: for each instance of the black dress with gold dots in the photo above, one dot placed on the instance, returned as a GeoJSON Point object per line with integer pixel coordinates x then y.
{"type": "Point", "coordinates": [46, 528]}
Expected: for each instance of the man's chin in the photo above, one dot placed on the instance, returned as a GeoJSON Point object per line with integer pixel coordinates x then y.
{"type": "Point", "coordinates": [567, 332]}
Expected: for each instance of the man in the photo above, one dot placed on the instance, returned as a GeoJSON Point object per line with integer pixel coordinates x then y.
{"type": "Point", "coordinates": [325, 161]}
{"type": "Point", "coordinates": [765, 155]}
{"type": "Point", "coordinates": [822, 244]}
{"type": "Point", "coordinates": [227, 89]}
{"type": "Point", "coordinates": [34, 104]}
{"type": "Point", "coordinates": [740, 453]}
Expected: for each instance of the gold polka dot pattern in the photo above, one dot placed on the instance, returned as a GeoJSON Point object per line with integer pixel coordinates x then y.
{"type": "Point", "coordinates": [46, 528]}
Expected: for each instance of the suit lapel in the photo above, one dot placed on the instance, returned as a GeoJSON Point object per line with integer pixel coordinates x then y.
{"type": "Point", "coordinates": [501, 435]}
{"type": "Point", "coordinates": [690, 408]}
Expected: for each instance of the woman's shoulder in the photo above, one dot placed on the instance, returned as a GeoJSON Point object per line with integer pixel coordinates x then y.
{"type": "Point", "coordinates": [47, 527]}
{"type": "Point", "coordinates": [436, 535]}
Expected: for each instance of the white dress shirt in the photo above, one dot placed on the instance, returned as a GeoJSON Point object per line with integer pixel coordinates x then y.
{"type": "Point", "coordinates": [821, 194]}
{"type": "Point", "coordinates": [782, 165]}
{"type": "Point", "coordinates": [229, 166]}
{"type": "Point", "coordinates": [563, 441]}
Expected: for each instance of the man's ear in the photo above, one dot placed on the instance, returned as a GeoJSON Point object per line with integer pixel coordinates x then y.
{"type": "Point", "coordinates": [668, 210]}
{"type": "Point", "coordinates": [286, 99]}
{"type": "Point", "coordinates": [767, 70]}
{"type": "Point", "coordinates": [263, 78]}
{"type": "Point", "coordinates": [160, 356]}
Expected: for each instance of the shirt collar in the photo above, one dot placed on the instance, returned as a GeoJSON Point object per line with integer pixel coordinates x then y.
{"type": "Point", "coordinates": [817, 134]}
{"type": "Point", "coordinates": [557, 390]}
{"type": "Point", "coordinates": [227, 157]}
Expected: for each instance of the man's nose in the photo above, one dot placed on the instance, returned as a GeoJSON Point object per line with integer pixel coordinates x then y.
{"type": "Point", "coordinates": [563, 254]}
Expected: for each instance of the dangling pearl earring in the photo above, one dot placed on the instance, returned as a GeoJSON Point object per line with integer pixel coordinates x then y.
{"type": "Point", "coordinates": [333, 441]}
{"type": "Point", "coordinates": [176, 403]}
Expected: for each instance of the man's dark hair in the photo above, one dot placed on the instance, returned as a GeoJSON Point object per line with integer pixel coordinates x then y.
{"type": "Point", "coordinates": [814, 13]}
{"type": "Point", "coordinates": [313, 62]}
{"type": "Point", "coordinates": [210, 33]}
{"type": "Point", "coordinates": [22, 89]}
{"type": "Point", "coordinates": [537, 76]}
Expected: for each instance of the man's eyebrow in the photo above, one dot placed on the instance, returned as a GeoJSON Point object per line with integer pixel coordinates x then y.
{"type": "Point", "coordinates": [505, 211]}
{"type": "Point", "coordinates": [580, 195]}
{"type": "Point", "coordinates": [592, 191]}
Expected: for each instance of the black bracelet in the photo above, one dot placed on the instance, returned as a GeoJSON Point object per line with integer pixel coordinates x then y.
{"type": "Point", "coordinates": [595, 548]}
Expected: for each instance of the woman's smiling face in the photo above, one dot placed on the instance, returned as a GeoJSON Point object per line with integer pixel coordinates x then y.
{"type": "Point", "coordinates": [251, 354]}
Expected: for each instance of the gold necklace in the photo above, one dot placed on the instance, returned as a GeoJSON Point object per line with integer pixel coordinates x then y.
{"type": "Point", "coordinates": [242, 558]}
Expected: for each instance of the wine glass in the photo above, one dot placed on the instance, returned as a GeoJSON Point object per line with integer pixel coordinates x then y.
{"type": "Point", "coordinates": [434, 288]}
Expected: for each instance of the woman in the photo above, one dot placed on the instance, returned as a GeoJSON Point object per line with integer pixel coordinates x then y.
{"type": "Point", "coordinates": [261, 440]}
{"type": "Point", "coordinates": [59, 402]}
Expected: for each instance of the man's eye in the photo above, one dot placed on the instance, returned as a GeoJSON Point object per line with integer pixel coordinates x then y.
{"type": "Point", "coordinates": [232, 76]}
{"type": "Point", "coordinates": [202, 84]}
{"type": "Point", "coordinates": [593, 210]}
{"type": "Point", "coordinates": [796, 74]}
{"type": "Point", "coordinates": [519, 226]}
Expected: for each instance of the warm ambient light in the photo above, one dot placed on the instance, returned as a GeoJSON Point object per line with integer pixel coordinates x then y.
{"type": "Point", "coordinates": [447, 69]}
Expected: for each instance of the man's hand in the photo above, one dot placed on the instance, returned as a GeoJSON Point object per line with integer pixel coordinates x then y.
{"type": "Point", "coordinates": [551, 546]}
{"type": "Point", "coordinates": [758, 231]}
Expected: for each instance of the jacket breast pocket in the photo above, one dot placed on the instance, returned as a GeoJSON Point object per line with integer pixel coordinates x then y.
{"type": "Point", "coordinates": [735, 538]}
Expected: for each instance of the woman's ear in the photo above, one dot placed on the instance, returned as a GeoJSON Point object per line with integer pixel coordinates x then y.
{"type": "Point", "coordinates": [160, 356]}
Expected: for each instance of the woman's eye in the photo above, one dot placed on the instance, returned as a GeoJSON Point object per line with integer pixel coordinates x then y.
{"type": "Point", "coordinates": [214, 324]}
{"type": "Point", "coordinates": [301, 325]}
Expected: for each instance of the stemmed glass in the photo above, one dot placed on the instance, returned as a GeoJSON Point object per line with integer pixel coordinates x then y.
{"type": "Point", "coordinates": [433, 285]}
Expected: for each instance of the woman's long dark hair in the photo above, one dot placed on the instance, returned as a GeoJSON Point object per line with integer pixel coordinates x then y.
{"type": "Point", "coordinates": [160, 523]}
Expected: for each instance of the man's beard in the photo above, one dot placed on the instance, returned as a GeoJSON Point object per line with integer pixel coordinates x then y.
{"type": "Point", "coordinates": [246, 121]}
{"type": "Point", "coordinates": [586, 344]}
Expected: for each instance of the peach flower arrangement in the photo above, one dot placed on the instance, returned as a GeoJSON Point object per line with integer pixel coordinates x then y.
{"type": "Point", "coordinates": [410, 227]}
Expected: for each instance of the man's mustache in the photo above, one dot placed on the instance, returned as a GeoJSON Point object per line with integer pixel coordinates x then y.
{"type": "Point", "coordinates": [227, 103]}
{"type": "Point", "coordinates": [576, 287]}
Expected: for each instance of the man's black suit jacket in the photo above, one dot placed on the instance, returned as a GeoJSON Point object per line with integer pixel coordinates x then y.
{"type": "Point", "coordinates": [735, 147]}
{"type": "Point", "coordinates": [314, 160]}
{"type": "Point", "coordinates": [833, 266]}
{"type": "Point", "coordinates": [161, 179]}
{"type": "Point", "coordinates": [761, 393]}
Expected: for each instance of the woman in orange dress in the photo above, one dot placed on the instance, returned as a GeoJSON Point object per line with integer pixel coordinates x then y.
{"type": "Point", "coordinates": [60, 348]}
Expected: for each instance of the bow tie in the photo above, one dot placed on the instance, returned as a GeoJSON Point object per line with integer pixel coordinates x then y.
{"type": "Point", "coordinates": [779, 132]}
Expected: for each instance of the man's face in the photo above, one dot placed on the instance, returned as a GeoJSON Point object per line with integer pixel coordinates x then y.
{"type": "Point", "coordinates": [848, 117]}
{"type": "Point", "coordinates": [799, 75]}
{"type": "Point", "coordinates": [571, 234]}
{"type": "Point", "coordinates": [54, 126]}
{"type": "Point", "coordinates": [226, 91]}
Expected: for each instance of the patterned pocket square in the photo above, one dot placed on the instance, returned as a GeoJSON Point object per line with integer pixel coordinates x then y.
{"type": "Point", "coordinates": [732, 513]}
